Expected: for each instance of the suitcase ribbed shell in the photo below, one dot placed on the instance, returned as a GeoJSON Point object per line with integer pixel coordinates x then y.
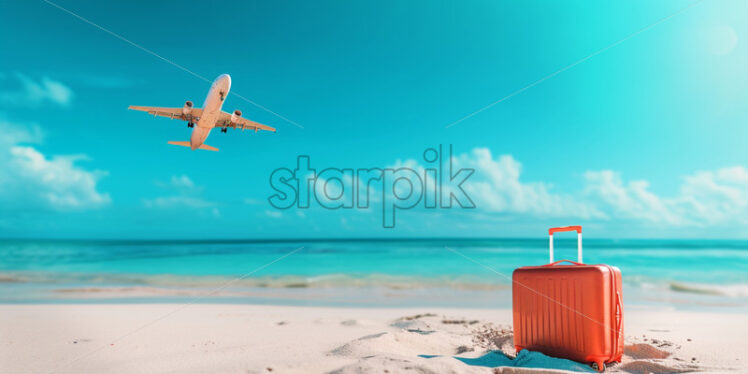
{"type": "Point", "coordinates": [569, 311]}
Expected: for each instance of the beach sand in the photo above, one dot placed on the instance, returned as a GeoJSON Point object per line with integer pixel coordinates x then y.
{"type": "Point", "coordinates": [214, 338]}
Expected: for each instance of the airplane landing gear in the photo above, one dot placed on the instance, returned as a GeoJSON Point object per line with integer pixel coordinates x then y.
{"type": "Point", "coordinates": [225, 130]}
{"type": "Point", "coordinates": [190, 125]}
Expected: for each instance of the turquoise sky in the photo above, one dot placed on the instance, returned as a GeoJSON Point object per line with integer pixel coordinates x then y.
{"type": "Point", "coordinates": [645, 139]}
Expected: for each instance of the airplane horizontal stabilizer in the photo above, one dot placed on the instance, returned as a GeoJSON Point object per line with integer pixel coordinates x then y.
{"type": "Point", "coordinates": [187, 144]}
{"type": "Point", "coordinates": [183, 144]}
{"type": "Point", "coordinates": [208, 148]}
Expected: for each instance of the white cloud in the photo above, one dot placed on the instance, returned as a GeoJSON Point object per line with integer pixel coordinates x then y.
{"type": "Point", "coordinates": [632, 200]}
{"type": "Point", "coordinates": [31, 93]}
{"type": "Point", "coordinates": [187, 195]}
{"type": "Point", "coordinates": [30, 179]}
{"type": "Point", "coordinates": [251, 201]}
{"type": "Point", "coordinates": [182, 181]}
{"type": "Point", "coordinates": [181, 184]}
{"type": "Point", "coordinates": [273, 213]}
{"type": "Point", "coordinates": [704, 198]}
{"type": "Point", "coordinates": [496, 187]}
{"type": "Point", "coordinates": [335, 188]}
{"type": "Point", "coordinates": [12, 134]}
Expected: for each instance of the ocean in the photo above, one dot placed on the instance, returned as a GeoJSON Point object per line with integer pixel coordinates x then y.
{"type": "Point", "coordinates": [683, 274]}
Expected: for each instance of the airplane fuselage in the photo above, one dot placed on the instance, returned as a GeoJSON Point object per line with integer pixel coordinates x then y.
{"type": "Point", "coordinates": [211, 110]}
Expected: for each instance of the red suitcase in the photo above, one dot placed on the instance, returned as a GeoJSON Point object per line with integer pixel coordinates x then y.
{"type": "Point", "coordinates": [573, 312]}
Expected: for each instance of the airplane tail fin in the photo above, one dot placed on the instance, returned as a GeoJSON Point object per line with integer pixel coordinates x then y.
{"type": "Point", "coordinates": [189, 145]}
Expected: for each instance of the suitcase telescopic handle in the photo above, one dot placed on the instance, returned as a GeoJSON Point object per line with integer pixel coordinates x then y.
{"type": "Point", "coordinates": [578, 229]}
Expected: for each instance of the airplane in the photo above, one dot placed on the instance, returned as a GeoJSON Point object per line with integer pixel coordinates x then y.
{"type": "Point", "coordinates": [207, 118]}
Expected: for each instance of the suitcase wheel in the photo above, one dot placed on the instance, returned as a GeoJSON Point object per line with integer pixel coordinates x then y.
{"type": "Point", "coordinates": [599, 366]}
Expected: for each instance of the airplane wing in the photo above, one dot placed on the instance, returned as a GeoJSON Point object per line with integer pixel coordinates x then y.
{"type": "Point", "coordinates": [172, 113]}
{"type": "Point", "coordinates": [224, 121]}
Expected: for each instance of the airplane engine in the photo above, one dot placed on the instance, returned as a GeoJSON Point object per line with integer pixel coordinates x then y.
{"type": "Point", "coordinates": [187, 108]}
{"type": "Point", "coordinates": [235, 116]}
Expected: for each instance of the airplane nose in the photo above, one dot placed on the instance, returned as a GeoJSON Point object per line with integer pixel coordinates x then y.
{"type": "Point", "coordinates": [227, 81]}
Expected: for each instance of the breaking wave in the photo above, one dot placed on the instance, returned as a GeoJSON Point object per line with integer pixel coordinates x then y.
{"type": "Point", "coordinates": [729, 290]}
{"type": "Point", "coordinates": [387, 281]}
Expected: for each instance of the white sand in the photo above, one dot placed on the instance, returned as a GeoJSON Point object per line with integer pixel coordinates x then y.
{"type": "Point", "coordinates": [211, 338]}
